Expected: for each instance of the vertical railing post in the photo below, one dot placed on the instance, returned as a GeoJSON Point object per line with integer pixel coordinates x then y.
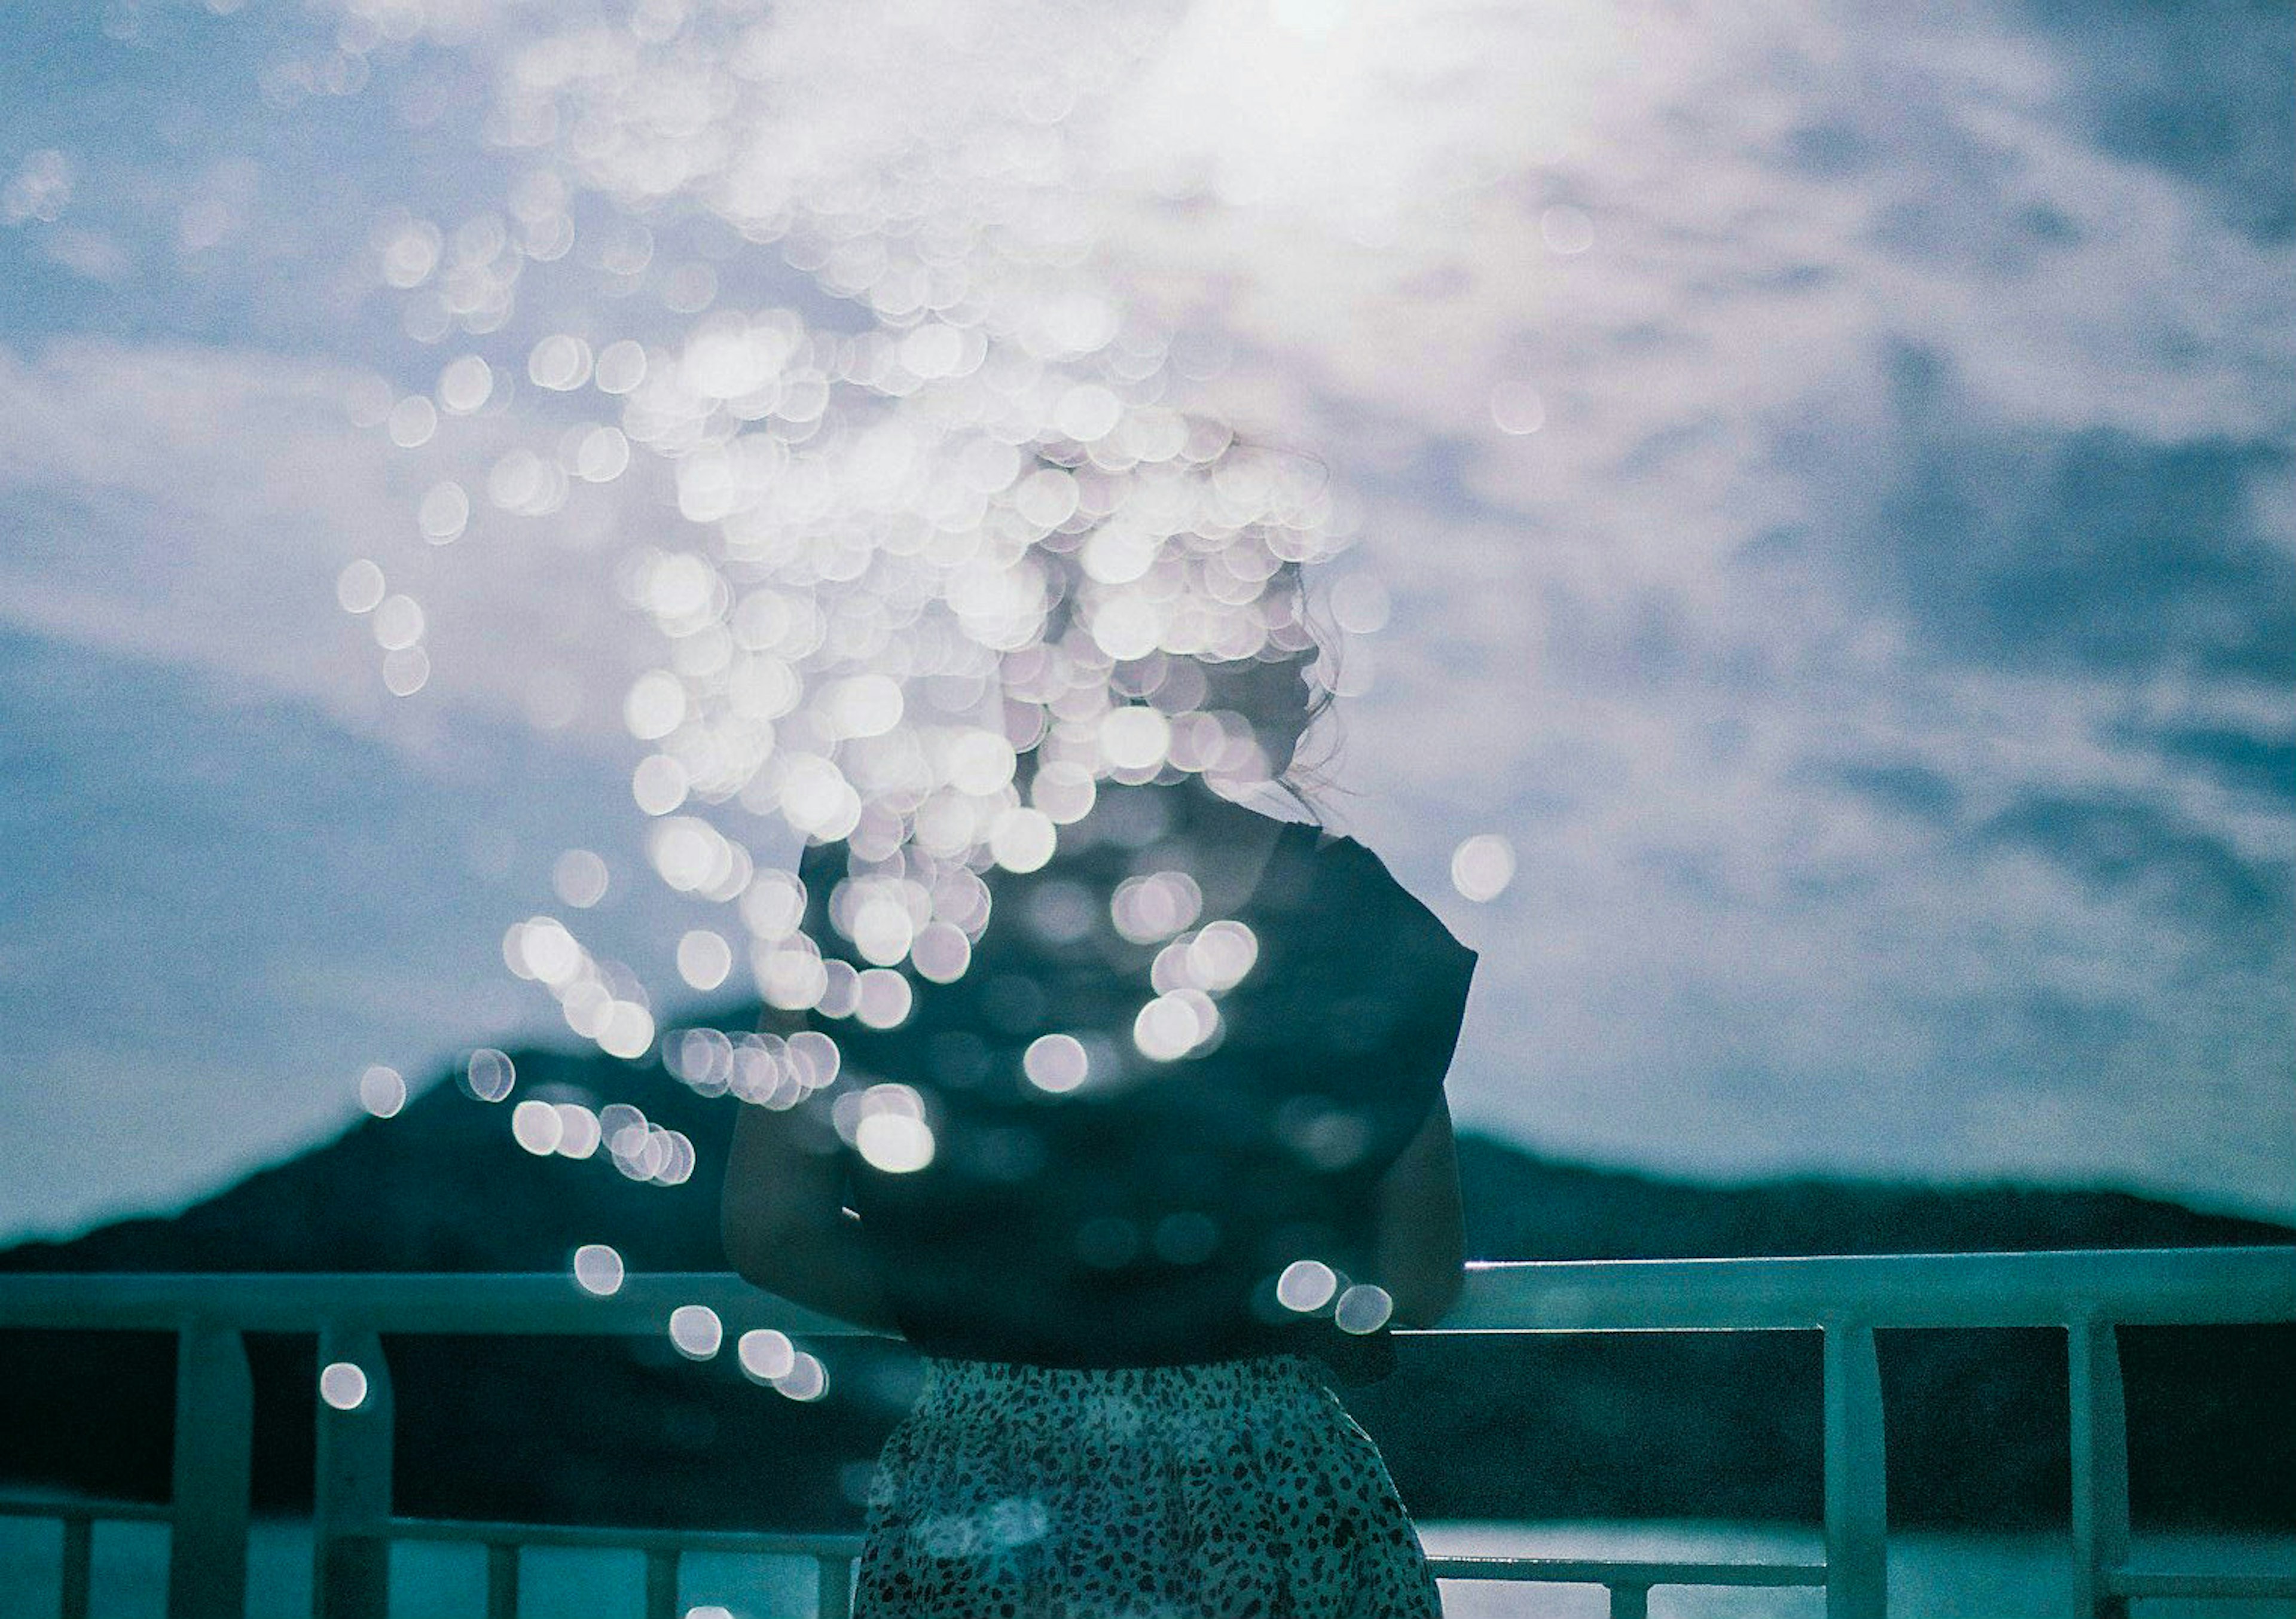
{"type": "Point", "coordinates": [833, 1587]}
{"type": "Point", "coordinates": [2100, 1457]}
{"type": "Point", "coordinates": [502, 1581]}
{"type": "Point", "coordinates": [1629, 1602]}
{"type": "Point", "coordinates": [661, 1582]}
{"type": "Point", "coordinates": [78, 1554]}
{"type": "Point", "coordinates": [214, 1437]}
{"type": "Point", "coordinates": [1857, 1485]}
{"type": "Point", "coordinates": [351, 1513]}
{"type": "Point", "coordinates": [215, 1441]}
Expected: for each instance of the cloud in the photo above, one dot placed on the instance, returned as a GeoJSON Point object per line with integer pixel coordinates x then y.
{"type": "Point", "coordinates": [198, 504]}
{"type": "Point", "coordinates": [1879, 654]}
{"type": "Point", "coordinates": [218, 907]}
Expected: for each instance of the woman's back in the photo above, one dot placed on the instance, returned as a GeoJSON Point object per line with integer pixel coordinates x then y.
{"type": "Point", "coordinates": [1178, 1062]}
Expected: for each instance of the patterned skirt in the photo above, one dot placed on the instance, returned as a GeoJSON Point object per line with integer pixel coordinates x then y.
{"type": "Point", "coordinates": [1223, 1490]}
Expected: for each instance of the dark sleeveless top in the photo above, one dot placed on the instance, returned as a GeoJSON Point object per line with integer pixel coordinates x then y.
{"type": "Point", "coordinates": [1144, 1218]}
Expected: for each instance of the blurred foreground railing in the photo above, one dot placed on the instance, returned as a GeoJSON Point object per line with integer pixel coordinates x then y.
{"type": "Point", "coordinates": [2089, 1294]}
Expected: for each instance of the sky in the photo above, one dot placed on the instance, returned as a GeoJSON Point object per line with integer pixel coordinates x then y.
{"type": "Point", "coordinates": [1824, 472]}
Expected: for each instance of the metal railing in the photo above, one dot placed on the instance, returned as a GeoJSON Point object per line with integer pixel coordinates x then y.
{"type": "Point", "coordinates": [2086, 1293]}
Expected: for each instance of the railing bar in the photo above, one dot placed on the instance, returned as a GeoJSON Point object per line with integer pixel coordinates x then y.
{"type": "Point", "coordinates": [79, 1555]}
{"type": "Point", "coordinates": [95, 1512]}
{"type": "Point", "coordinates": [502, 1581]}
{"type": "Point", "coordinates": [2100, 1468]}
{"type": "Point", "coordinates": [215, 1416]}
{"type": "Point", "coordinates": [350, 1509]}
{"type": "Point", "coordinates": [1856, 1498]}
{"type": "Point", "coordinates": [2163, 1583]}
{"type": "Point", "coordinates": [661, 1582]}
{"type": "Point", "coordinates": [758, 1544]}
{"type": "Point", "coordinates": [2182, 1286]}
{"type": "Point", "coordinates": [832, 1587]}
{"type": "Point", "coordinates": [1598, 1571]}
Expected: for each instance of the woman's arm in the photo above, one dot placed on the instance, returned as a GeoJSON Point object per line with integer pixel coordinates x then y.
{"type": "Point", "coordinates": [785, 1227]}
{"type": "Point", "coordinates": [1419, 1245]}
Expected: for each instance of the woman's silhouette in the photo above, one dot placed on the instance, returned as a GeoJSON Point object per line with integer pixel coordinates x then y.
{"type": "Point", "coordinates": [1157, 1164]}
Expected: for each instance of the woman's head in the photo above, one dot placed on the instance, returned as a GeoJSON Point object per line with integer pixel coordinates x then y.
{"type": "Point", "coordinates": [1189, 595]}
{"type": "Point", "coordinates": [1282, 691]}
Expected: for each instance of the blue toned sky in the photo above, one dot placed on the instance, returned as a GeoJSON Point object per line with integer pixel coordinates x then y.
{"type": "Point", "coordinates": [1831, 468]}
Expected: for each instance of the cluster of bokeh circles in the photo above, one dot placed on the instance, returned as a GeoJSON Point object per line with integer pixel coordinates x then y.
{"type": "Point", "coordinates": [928, 568]}
{"type": "Point", "coordinates": [940, 567]}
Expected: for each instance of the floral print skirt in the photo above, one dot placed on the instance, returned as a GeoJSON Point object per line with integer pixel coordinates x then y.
{"type": "Point", "coordinates": [1231, 1490]}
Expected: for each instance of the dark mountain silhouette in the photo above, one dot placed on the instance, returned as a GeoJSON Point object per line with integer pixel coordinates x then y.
{"type": "Point", "coordinates": [626, 1431]}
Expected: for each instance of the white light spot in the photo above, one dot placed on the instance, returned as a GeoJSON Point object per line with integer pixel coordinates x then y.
{"type": "Point", "coordinates": [343, 1386]}
{"type": "Point", "coordinates": [1306, 1285]}
{"type": "Point", "coordinates": [382, 1090]}
{"type": "Point", "coordinates": [598, 1270]}
{"type": "Point", "coordinates": [559, 361]}
{"type": "Point", "coordinates": [1023, 840]}
{"type": "Point", "coordinates": [399, 622]}
{"type": "Point", "coordinates": [659, 784]}
{"type": "Point", "coordinates": [1173, 1025]}
{"type": "Point", "coordinates": [1517, 409]}
{"type": "Point", "coordinates": [548, 952]}
{"type": "Point", "coordinates": [580, 877]}
{"type": "Point", "coordinates": [536, 1127]}
{"type": "Point", "coordinates": [882, 999]}
{"type": "Point", "coordinates": [981, 763]}
{"type": "Point", "coordinates": [864, 705]}
{"type": "Point", "coordinates": [628, 1031]}
{"type": "Point", "coordinates": [465, 384]}
{"type": "Point", "coordinates": [704, 959]}
{"type": "Point", "coordinates": [894, 1142]}
{"type": "Point", "coordinates": [773, 904]}
{"type": "Point", "coordinates": [941, 953]}
{"type": "Point", "coordinates": [1482, 867]}
{"type": "Point", "coordinates": [621, 367]}
{"type": "Point", "coordinates": [445, 512]}
{"type": "Point", "coordinates": [411, 421]}
{"type": "Point", "coordinates": [1057, 1063]}
{"type": "Point", "coordinates": [1064, 791]}
{"type": "Point", "coordinates": [1221, 956]}
{"type": "Point", "coordinates": [406, 670]}
{"type": "Point", "coordinates": [1146, 908]}
{"type": "Point", "coordinates": [1363, 1308]}
{"type": "Point", "coordinates": [490, 1074]}
{"type": "Point", "coordinates": [1135, 738]}
{"type": "Point", "coordinates": [696, 1331]}
{"type": "Point", "coordinates": [655, 707]}
{"type": "Point", "coordinates": [1566, 230]}
{"type": "Point", "coordinates": [1360, 605]}
{"type": "Point", "coordinates": [766, 1354]}
{"type": "Point", "coordinates": [578, 1130]}
{"type": "Point", "coordinates": [359, 587]}
{"type": "Point", "coordinates": [1086, 413]}
{"type": "Point", "coordinates": [806, 1379]}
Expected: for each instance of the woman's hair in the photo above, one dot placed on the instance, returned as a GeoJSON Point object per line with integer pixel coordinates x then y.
{"type": "Point", "coordinates": [1245, 517]}
{"type": "Point", "coordinates": [1308, 779]}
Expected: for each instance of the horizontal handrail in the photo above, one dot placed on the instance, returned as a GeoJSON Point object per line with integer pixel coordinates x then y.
{"type": "Point", "coordinates": [1626, 1571]}
{"type": "Point", "coordinates": [2127, 1287]}
{"type": "Point", "coordinates": [2132, 1286]}
{"type": "Point", "coordinates": [735, 1542]}
{"type": "Point", "coordinates": [70, 1508]}
{"type": "Point", "coordinates": [514, 1305]}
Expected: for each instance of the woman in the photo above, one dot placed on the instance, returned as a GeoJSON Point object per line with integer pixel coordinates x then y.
{"type": "Point", "coordinates": [1169, 1156]}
